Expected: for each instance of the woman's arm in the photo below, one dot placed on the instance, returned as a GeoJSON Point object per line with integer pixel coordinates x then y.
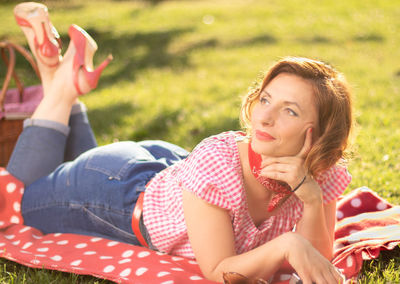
{"type": "Point", "coordinates": [212, 240]}
{"type": "Point", "coordinates": [318, 222]}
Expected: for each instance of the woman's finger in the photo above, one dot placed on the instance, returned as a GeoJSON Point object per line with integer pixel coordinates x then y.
{"type": "Point", "coordinates": [280, 160]}
{"type": "Point", "coordinates": [282, 168]}
{"type": "Point", "coordinates": [275, 175]}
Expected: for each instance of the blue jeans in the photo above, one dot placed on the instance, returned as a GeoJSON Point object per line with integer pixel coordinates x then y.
{"type": "Point", "coordinates": [95, 193]}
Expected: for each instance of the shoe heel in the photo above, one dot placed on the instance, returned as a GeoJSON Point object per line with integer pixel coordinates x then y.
{"type": "Point", "coordinates": [92, 77]}
{"type": "Point", "coordinates": [80, 38]}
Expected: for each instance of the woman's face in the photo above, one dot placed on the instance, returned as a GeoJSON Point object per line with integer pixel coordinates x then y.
{"type": "Point", "coordinates": [282, 115]}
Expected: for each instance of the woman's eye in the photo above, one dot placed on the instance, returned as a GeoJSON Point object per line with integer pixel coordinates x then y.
{"type": "Point", "coordinates": [291, 112]}
{"type": "Point", "coordinates": [264, 101]}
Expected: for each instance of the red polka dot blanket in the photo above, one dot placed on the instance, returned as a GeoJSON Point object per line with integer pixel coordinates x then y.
{"type": "Point", "coordinates": [366, 224]}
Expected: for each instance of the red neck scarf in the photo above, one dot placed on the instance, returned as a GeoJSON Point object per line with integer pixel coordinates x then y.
{"type": "Point", "coordinates": [279, 188]}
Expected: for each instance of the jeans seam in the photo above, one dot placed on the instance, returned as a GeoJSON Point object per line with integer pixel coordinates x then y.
{"type": "Point", "coordinates": [78, 205]}
{"type": "Point", "coordinates": [108, 223]}
{"type": "Point", "coordinates": [117, 176]}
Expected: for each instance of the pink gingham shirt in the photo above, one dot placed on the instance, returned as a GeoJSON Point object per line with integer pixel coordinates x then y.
{"type": "Point", "coordinates": [213, 172]}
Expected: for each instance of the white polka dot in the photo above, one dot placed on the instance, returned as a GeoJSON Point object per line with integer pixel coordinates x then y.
{"type": "Point", "coordinates": [95, 240]}
{"type": "Point", "coordinates": [168, 282]}
{"type": "Point", "coordinates": [57, 234]}
{"type": "Point", "coordinates": [160, 253]}
{"type": "Point", "coordinates": [35, 261]}
{"type": "Point", "coordinates": [381, 206]}
{"type": "Point", "coordinates": [339, 214]}
{"type": "Point", "coordinates": [349, 261]}
{"type": "Point", "coordinates": [36, 237]}
{"type": "Point", "coordinates": [106, 257]}
{"type": "Point", "coordinates": [195, 277]}
{"type": "Point", "coordinates": [192, 262]}
{"type": "Point", "coordinates": [17, 206]}
{"type": "Point", "coordinates": [23, 230]}
{"type": "Point", "coordinates": [27, 245]}
{"type": "Point", "coordinates": [43, 249]}
{"type": "Point", "coordinates": [14, 219]}
{"type": "Point", "coordinates": [89, 252]}
{"type": "Point", "coordinates": [126, 272]}
{"type": "Point", "coordinates": [138, 272]}
{"type": "Point", "coordinates": [143, 254]}
{"type": "Point", "coordinates": [82, 245]}
{"type": "Point", "coordinates": [9, 237]}
{"type": "Point", "coordinates": [11, 187]}
{"type": "Point", "coordinates": [356, 202]}
{"type": "Point", "coordinates": [165, 262]}
{"type": "Point", "coordinates": [127, 253]}
{"type": "Point", "coordinates": [111, 244]}
{"type": "Point", "coordinates": [40, 255]}
{"type": "Point", "coordinates": [76, 262]}
{"type": "Point", "coordinates": [22, 190]}
{"type": "Point", "coordinates": [162, 273]}
{"type": "Point", "coordinates": [3, 173]}
{"type": "Point", "coordinates": [285, 277]}
{"type": "Point", "coordinates": [48, 242]}
{"type": "Point", "coordinates": [16, 242]}
{"type": "Point", "coordinates": [176, 258]}
{"type": "Point", "coordinates": [176, 269]}
{"type": "Point", "coordinates": [124, 261]}
{"type": "Point", "coordinates": [56, 258]}
{"type": "Point", "coordinates": [2, 244]}
{"type": "Point", "coordinates": [63, 242]}
{"type": "Point", "coordinates": [109, 268]}
{"type": "Point", "coordinates": [24, 251]}
{"type": "Point", "coordinates": [2, 223]}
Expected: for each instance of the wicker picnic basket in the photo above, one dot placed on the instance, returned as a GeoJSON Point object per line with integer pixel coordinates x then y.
{"type": "Point", "coordinates": [15, 104]}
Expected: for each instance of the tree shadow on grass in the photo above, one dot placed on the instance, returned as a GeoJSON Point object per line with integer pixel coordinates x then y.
{"type": "Point", "coordinates": [104, 119]}
{"type": "Point", "coordinates": [213, 127]}
{"type": "Point", "coordinates": [316, 39]}
{"type": "Point", "coordinates": [262, 39]}
{"type": "Point", "coordinates": [162, 125]}
{"type": "Point", "coordinates": [158, 127]}
{"type": "Point", "coordinates": [322, 39]}
{"type": "Point", "coordinates": [371, 37]}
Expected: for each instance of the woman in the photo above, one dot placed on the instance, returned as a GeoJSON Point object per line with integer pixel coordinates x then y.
{"type": "Point", "coordinates": [230, 203]}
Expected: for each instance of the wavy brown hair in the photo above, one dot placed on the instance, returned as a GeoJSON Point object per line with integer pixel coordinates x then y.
{"type": "Point", "coordinates": [333, 100]}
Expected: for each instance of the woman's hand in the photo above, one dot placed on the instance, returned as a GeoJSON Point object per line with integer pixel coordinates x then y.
{"type": "Point", "coordinates": [291, 170]}
{"type": "Point", "coordinates": [309, 264]}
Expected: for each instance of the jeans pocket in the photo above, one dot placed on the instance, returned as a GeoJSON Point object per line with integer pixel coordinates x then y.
{"type": "Point", "coordinates": [116, 159]}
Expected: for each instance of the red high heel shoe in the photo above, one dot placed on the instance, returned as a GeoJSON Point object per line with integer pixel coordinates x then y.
{"type": "Point", "coordinates": [85, 47]}
{"type": "Point", "coordinates": [35, 16]}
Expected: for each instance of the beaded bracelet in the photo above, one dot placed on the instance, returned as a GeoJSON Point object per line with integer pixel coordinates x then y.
{"type": "Point", "coordinates": [297, 187]}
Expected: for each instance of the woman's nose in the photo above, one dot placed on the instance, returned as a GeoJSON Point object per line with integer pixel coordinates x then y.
{"type": "Point", "coordinates": [268, 116]}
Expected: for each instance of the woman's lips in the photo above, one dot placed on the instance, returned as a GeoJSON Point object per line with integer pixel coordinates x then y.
{"type": "Point", "coordinates": [264, 136]}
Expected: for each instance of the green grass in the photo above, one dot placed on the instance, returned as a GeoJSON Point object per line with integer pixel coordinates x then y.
{"type": "Point", "coordinates": [176, 78]}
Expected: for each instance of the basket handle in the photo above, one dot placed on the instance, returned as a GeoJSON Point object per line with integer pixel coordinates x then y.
{"type": "Point", "coordinates": [11, 47]}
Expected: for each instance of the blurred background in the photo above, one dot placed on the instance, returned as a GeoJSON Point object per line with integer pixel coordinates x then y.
{"type": "Point", "coordinates": [181, 67]}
